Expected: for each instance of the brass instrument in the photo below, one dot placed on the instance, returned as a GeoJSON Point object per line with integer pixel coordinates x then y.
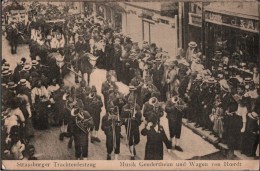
{"type": "Point", "coordinates": [154, 101]}
{"type": "Point", "coordinates": [81, 121]}
{"type": "Point", "coordinates": [115, 122]}
{"type": "Point", "coordinates": [74, 72]}
{"type": "Point", "coordinates": [180, 105]}
{"type": "Point", "coordinates": [131, 115]}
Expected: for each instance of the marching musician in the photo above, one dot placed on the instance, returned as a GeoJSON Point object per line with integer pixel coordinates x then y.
{"type": "Point", "coordinates": [174, 109]}
{"type": "Point", "coordinates": [106, 88]}
{"type": "Point", "coordinates": [83, 90]}
{"type": "Point", "coordinates": [172, 79]}
{"type": "Point", "coordinates": [117, 99]}
{"type": "Point", "coordinates": [157, 75]}
{"type": "Point", "coordinates": [60, 112]}
{"type": "Point", "coordinates": [81, 123]}
{"type": "Point", "coordinates": [132, 112]}
{"type": "Point", "coordinates": [138, 82]}
{"type": "Point", "coordinates": [71, 101]}
{"type": "Point", "coordinates": [148, 90]}
{"type": "Point", "coordinates": [111, 125]}
{"type": "Point", "coordinates": [94, 104]}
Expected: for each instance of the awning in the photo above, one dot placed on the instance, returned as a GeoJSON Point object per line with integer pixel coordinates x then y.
{"type": "Point", "coordinates": [240, 9]}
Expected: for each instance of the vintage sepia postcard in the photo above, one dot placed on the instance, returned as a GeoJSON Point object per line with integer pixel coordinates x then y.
{"type": "Point", "coordinates": [130, 85]}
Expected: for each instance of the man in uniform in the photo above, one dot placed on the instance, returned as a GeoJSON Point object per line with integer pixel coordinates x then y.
{"type": "Point", "coordinates": [208, 98]}
{"type": "Point", "coordinates": [112, 128]}
{"type": "Point", "coordinates": [106, 88]}
{"type": "Point", "coordinates": [93, 104]}
{"type": "Point", "coordinates": [13, 38]}
{"type": "Point", "coordinates": [83, 90]}
{"type": "Point", "coordinates": [138, 83]}
{"type": "Point", "coordinates": [174, 109]}
{"type": "Point", "coordinates": [80, 133]}
{"type": "Point", "coordinates": [157, 75]}
{"type": "Point", "coordinates": [17, 71]}
{"type": "Point", "coordinates": [132, 112]}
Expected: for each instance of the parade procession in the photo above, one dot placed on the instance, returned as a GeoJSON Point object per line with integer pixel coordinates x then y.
{"type": "Point", "coordinates": [129, 80]}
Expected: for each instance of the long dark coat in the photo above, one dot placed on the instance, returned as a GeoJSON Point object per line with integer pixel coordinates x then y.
{"type": "Point", "coordinates": [154, 144]}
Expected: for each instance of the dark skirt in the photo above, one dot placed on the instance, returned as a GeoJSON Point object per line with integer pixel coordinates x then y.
{"type": "Point", "coordinates": [234, 134]}
{"type": "Point", "coordinates": [29, 130]}
{"type": "Point", "coordinates": [250, 138]}
{"type": "Point", "coordinates": [41, 116]}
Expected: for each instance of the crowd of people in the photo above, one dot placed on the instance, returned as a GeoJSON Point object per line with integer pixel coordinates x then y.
{"type": "Point", "coordinates": [221, 97]}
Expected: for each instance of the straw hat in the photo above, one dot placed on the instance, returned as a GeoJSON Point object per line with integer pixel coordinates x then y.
{"type": "Point", "coordinates": [193, 44]}
{"type": "Point", "coordinates": [11, 85]}
{"type": "Point", "coordinates": [27, 67]}
{"type": "Point", "coordinates": [211, 80]}
{"type": "Point", "coordinates": [22, 82]}
{"type": "Point", "coordinates": [34, 62]}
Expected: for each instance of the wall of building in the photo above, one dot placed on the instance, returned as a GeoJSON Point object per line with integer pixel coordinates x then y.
{"type": "Point", "coordinates": [159, 30]}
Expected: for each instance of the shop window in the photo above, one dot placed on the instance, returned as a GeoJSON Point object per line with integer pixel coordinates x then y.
{"type": "Point", "coordinates": [238, 45]}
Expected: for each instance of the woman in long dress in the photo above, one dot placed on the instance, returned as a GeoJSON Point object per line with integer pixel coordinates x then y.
{"type": "Point", "coordinates": [40, 102]}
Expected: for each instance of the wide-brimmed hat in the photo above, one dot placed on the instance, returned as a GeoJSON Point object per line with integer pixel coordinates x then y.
{"type": "Point", "coordinates": [132, 88]}
{"type": "Point", "coordinates": [11, 85]}
{"type": "Point", "coordinates": [6, 73]}
{"type": "Point", "coordinates": [248, 80]}
{"type": "Point", "coordinates": [211, 80]}
{"type": "Point", "coordinates": [218, 53]}
{"type": "Point", "coordinates": [22, 82]}
{"type": "Point", "coordinates": [5, 68]}
{"type": "Point", "coordinates": [34, 62]}
{"type": "Point", "coordinates": [175, 99]}
{"type": "Point", "coordinates": [27, 67]}
{"type": "Point", "coordinates": [192, 44]}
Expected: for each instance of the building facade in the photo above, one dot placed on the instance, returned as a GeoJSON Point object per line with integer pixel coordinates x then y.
{"type": "Point", "coordinates": [152, 22]}
{"type": "Point", "coordinates": [232, 28]}
{"type": "Point", "coordinates": [226, 27]}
